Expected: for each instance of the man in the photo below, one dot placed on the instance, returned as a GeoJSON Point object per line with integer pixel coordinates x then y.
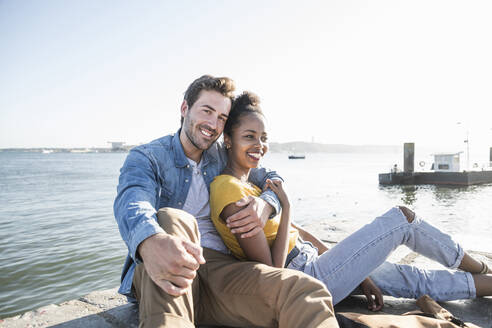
{"type": "Point", "coordinates": [176, 281]}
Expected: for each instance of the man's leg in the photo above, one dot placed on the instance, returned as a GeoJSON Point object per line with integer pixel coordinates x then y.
{"type": "Point", "coordinates": [156, 307]}
{"type": "Point", "coordinates": [240, 294]}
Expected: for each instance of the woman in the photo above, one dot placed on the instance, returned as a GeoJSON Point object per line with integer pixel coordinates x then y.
{"type": "Point", "coordinates": [357, 260]}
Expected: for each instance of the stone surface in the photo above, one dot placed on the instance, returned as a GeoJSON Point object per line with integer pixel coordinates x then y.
{"type": "Point", "coordinates": [98, 309]}
{"type": "Point", "coordinates": [109, 309]}
{"type": "Point", "coordinates": [477, 311]}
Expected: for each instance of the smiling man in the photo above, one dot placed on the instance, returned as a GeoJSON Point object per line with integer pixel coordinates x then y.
{"type": "Point", "coordinates": [178, 268]}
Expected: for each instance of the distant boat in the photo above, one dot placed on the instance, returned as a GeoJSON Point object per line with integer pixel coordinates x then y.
{"type": "Point", "coordinates": [297, 156]}
{"type": "Point", "coordinates": [47, 151]}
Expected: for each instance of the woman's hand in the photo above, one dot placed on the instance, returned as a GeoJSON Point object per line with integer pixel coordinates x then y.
{"type": "Point", "coordinates": [369, 289]}
{"type": "Point", "coordinates": [277, 187]}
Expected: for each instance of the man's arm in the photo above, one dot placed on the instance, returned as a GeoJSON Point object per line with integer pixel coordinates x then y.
{"type": "Point", "coordinates": [170, 261]}
{"type": "Point", "coordinates": [137, 196]}
{"type": "Point", "coordinates": [259, 177]}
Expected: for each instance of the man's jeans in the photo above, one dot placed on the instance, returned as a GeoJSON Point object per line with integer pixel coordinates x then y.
{"type": "Point", "coordinates": [363, 254]}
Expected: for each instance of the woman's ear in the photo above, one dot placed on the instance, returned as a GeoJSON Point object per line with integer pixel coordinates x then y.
{"type": "Point", "coordinates": [227, 141]}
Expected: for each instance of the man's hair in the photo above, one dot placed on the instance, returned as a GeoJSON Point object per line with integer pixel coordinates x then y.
{"type": "Point", "coordinates": [224, 85]}
{"type": "Point", "coordinates": [246, 103]}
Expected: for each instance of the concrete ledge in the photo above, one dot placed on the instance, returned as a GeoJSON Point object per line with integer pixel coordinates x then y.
{"type": "Point", "coordinates": [104, 308]}
{"type": "Point", "coordinates": [109, 309]}
{"type": "Point", "coordinates": [477, 311]}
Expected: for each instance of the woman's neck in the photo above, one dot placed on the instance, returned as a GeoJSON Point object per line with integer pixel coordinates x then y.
{"type": "Point", "coordinates": [236, 171]}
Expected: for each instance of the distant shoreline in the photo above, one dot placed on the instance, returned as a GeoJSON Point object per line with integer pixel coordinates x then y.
{"type": "Point", "coordinates": [275, 147]}
{"type": "Point", "coordinates": [49, 150]}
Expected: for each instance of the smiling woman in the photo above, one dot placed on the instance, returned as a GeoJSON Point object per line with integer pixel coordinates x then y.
{"type": "Point", "coordinates": [245, 138]}
{"type": "Point", "coordinates": [357, 261]}
{"type": "Point", "coordinates": [246, 129]}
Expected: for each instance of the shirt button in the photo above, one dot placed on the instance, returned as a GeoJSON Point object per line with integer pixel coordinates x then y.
{"type": "Point", "coordinates": [179, 203]}
{"type": "Point", "coordinates": [204, 173]}
{"type": "Point", "coordinates": [186, 180]}
{"type": "Point", "coordinates": [188, 166]}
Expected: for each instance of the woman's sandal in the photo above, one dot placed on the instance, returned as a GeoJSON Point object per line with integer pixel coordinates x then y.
{"type": "Point", "coordinates": [485, 268]}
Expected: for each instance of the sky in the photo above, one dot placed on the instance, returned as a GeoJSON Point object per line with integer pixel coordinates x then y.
{"type": "Point", "coordinates": [82, 73]}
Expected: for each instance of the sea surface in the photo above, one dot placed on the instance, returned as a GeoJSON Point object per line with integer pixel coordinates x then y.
{"type": "Point", "coordinates": [59, 239]}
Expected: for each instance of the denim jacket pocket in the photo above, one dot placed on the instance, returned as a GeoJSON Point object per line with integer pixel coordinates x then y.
{"type": "Point", "coordinates": [167, 184]}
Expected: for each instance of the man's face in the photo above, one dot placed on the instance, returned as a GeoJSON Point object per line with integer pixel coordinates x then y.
{"type": "Point", "coordinates": [204, 121]}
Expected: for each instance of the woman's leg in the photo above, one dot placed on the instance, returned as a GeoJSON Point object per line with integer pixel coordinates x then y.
{"type": "Point", "coordinates": [407, 281]}
{"type": "Point", "coordinates": [344, 267]}
{"type": "Point", "coordinates": [483, 284]}
{"type": "Point", "coordinates": [469, 264]}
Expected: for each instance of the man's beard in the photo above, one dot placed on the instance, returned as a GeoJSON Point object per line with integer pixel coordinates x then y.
{"type": "Point", "coordinates": [195, 141]}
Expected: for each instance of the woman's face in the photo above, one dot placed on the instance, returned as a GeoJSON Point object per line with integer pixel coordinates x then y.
{"type": "Point", "coordinates": [248, 141]}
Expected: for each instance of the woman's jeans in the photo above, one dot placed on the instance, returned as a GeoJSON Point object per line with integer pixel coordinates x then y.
{"type": "Point", "coordinates": [364, 252]}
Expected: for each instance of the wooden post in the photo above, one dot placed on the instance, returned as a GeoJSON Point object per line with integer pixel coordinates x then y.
{"type": "Point", "coordinates": [408, 157]}
{"type": "Point", "coordinates": [490, 157]}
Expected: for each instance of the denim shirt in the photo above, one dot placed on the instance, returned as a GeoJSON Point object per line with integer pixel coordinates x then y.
{"type": "Point", "coordinates": [157, 175]}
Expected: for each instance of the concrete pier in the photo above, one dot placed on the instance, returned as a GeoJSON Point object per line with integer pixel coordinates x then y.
{"type": "Point", "coordinates": [408, 157]}
{"type": "Point", "coordinates": [436, 178]}
{"type": "Point", "coordinates": [109, 309]}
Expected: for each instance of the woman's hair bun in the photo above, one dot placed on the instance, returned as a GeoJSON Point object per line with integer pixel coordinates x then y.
{"type": "Point", "coordinates": [247, 102]}
{"type": "Point", "coordinates": [247, 98]}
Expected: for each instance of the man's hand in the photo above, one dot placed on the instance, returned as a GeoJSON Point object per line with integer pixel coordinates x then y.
{"type": "Point", "coordinates": [252, 218]}
{"type": "Point", "coordinates": [171, 262]}
{"type": "Point", "coordinates": [369, 289]}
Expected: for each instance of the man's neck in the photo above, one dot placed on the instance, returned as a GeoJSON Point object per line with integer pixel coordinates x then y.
{"type": "Point", "coordinates": [189, 149]}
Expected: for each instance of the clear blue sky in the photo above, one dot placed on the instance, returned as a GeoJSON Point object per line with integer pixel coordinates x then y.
{"type": "Point", "coordinates": [81, 73]}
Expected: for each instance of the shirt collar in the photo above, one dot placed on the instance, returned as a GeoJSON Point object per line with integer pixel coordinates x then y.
{"type": "Point", "coordinates": [180, 159]}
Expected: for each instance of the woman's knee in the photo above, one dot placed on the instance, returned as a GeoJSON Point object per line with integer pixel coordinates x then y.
{"type": "Point", "coordinates": [409, 214]}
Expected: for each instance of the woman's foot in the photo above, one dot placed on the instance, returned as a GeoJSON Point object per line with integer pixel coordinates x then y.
{"type": "Point", "coordinates": [469, 264]}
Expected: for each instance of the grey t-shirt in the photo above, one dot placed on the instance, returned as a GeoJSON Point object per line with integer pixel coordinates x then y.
{"type": "Point", "coordinates": [197, 204]}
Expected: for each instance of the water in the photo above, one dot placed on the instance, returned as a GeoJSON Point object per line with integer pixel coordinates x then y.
{"type": "Point", "coordinates": [59, 240]}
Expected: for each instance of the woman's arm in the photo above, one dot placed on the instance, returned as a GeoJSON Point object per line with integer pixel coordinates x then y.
{"type": "Point", "coordinates": [256, 247]}
{"type": "Point", "coordinates": [280, 246]}
{"type": "Point", "coordinates": [305, 235]}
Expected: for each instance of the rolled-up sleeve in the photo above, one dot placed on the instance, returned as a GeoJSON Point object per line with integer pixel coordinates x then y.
{"type": "Point", "coordinates": [136, 199]}
{"type": "Point", "coordinates": [259, 177]}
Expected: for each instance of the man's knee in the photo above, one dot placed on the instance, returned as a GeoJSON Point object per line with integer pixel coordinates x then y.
{"type": "Point", "coordinates": [169, 214]}
{"type": "Point", "coordinates": [173, 220]}
{"type": "Point", "coordinates": [409, 214]}
{"type": "Point", "coordinates": [294, 281]}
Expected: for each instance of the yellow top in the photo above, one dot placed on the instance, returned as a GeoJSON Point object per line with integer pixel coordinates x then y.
{"type": "Point", "coordinates": [226, 189]}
